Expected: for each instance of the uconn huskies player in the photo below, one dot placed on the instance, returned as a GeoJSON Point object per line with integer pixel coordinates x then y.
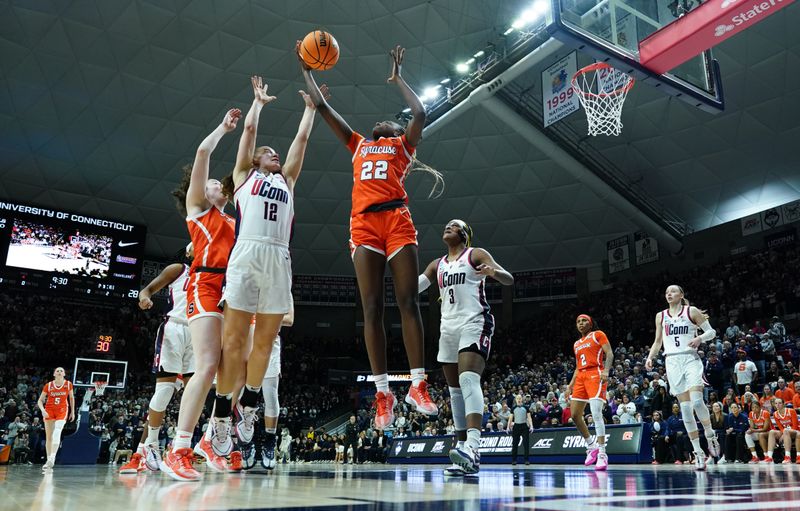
{"type": "Point", "coordinates": [173, 356]}
{"type": "Point", "coordinates": [259, 275]}
{"type": "Point", "coordinates": [466, 334]}
{"type": "Point", "coordinates": [676, 329]}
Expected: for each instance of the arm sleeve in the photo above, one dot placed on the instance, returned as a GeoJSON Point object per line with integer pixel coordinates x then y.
{"type": "Point", "coordinates": [708, 332]}
{"type": "Point", "coordinates": [423, 283]}
{"type": "Point", "coordinates": [355, 139]}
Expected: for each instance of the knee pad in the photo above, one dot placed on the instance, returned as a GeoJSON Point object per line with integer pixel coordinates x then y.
{"type": "Point", "coordinates": [699, 406]}
{"type": "Point", "coordinates": [457, 406]}
{"type": "Point", "coordinates": [596, 406]}
{"type": "Point", "coordinates": [161, 396]}
{"type": "Point", "coordinates": [269, 389]}
{"type": "Point", "coordinates": [687, 413]}
{"type": "Point", "coordinates": [748, 439]}
{"type": "Point", "coordinates": [59, 426]}
{"type": "Point", "coordinates": [471, 390]}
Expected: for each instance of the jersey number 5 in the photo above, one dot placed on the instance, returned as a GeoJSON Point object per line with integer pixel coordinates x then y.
{"type": "Point", "coordinates": [56, 400]}
{"type": "Point", "coordinates": [677, 342]}
{"type": "Point", "coordinates": [374, 170]}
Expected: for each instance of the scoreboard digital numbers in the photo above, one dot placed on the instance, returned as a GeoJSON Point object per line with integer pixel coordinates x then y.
{"type": "Point", "coordinates": [103, 343]}
{"type": "Point", "coordinates": [48, 249]}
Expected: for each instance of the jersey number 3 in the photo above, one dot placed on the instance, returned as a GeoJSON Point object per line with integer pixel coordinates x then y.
{"type": "Point", "coordinates": [374, 170]}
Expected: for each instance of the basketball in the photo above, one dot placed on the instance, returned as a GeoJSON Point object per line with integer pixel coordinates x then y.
{"type": "Point", "coordinates": [319, 50]}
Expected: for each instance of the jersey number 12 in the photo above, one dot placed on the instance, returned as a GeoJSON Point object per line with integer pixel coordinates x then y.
{"type": "Point", "coordinates": [270, 211]}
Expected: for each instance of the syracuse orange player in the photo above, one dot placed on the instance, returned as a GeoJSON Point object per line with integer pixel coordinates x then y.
{"type": "Point", "coordinates": [589, 385]}
{"type": "Point", "coordinates": [381, 230]}
{"type": "Point", "coordinates": [212, 234]}
{"type": "Point", "coordinates": [760, 426]}
{"type": "Point", "coordinates": [786, 420]}
{"type": "Point", "coordinates": [56, 399]}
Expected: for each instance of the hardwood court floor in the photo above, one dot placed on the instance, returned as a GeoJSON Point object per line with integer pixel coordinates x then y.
{"type": "Point", "coordinates": [409, 488]}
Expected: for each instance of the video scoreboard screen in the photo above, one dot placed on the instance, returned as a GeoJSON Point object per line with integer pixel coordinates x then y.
{"type": "Point", "coordinates": [45, 248]}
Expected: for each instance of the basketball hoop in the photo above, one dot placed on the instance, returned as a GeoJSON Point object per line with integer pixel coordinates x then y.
{"type": "Point", "coordinates": [100, 387]}
{"type": "Point", "coordinates": [602, 91]}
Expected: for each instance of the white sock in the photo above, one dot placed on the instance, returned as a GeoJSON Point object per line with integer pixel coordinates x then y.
{"type": "Point", "coordinates": [382, 382]}
{"type": "Point", "coordinates": [140, 449]}
{"type": "Point", "coordinates": [271, 430]}
{"type": "Point", "coordinates": [460, 444]}
{"type": "Point", "coordinates": [473, 438]}
{"type": "Point", "coordinates": [152, 435]}
{"type": "Point", "coordinates": [696, 445]}
{"type": "Point", "coordinates": [602, 448]}
{"type": "Point", "coordinates": [768, 454]}
{"type": "Point", "coordinates": [591, 444]}
{"type": "Point", "coordinates": [183, 440]}
{"type": "Point", "coordinates": [417, 376]}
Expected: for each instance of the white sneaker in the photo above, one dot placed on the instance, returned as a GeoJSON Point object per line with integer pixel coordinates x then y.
{"type": "Point", "coordinates": [245, 423]}
{"type": "Point", "coordinates": [152, 457]}
{"type": "Point", "coordinates": [467, 458]}
{"type": "Point", "coordinates": [221, 440]}
{"type": "Point", "coordinates": [454, 471]}
{"type": "Point", "coordinates": [722, 461]}
{"type": "Point", "coordinates": [700, 462]}
{"type": "Point", "coordinates": [713, 446]}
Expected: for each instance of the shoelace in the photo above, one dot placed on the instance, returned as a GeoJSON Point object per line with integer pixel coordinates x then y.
{"type": "Point", "coordinates": [422, 389]}
{"type": "Point", "coordinates": [186, 460]}
{"type": "Point", "coordinates": [249, 417]}
{"type": "Point", "coordinates": [222, 428]}
{"type": "Point", "coordinates": [380, 405]}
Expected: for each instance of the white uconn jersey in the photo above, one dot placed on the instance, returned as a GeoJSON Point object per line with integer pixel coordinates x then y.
{"type": "Point", "coordinates": [177, 296]}
{"type": "Point", "coordinates": [677, 331]}
{"type": "Point", "coordinates": [264, 208]}
{"type": "Point", "coordinates": [462, 290]}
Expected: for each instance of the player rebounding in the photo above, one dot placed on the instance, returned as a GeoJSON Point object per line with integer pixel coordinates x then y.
{"type": "Point", "coordinates": [676, 329]}
{"type": "Point", "coordinates": [465, 335]}
{"type": "Point", "coordinates": [173, 356]}
{"type": "Point", "coordinates": [589, 385]}
{"type": "Point", "coordinates": [381, 231]}
{"type": "Point", "coordinates": [212, 234]}
{"type": "Point", "coordinates": [56, 402]}
{"type": "Point", "coordinates": [259, 275]}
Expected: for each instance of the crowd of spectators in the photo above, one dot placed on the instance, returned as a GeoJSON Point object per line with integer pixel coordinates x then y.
{"type": "Point", "coordinates": [754, 357]}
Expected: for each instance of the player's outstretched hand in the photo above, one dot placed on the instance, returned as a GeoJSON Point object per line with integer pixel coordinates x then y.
{"type": "Point", "coordinates": [232, 117]}
{"type": "Point", "coordinates": [260, 90]}
{"type": "Point", "coordinates": [303, 65]}
{"type": "Point", "coordinates": [397, 63]}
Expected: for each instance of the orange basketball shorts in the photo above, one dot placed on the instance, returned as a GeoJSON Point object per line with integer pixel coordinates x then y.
{"type": "Point", "coordinates": [384, 232]}
{"type": "Point", "coordinates": [204, 294]}
{"type": "Point", "coordinates": [56, 413]}
{"type": "Point", "coordinates": [588, 385]}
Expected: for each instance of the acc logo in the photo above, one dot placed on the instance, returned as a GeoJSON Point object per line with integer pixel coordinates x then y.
{"type": "Point", "coordinates": [544, 443]}
{"type": "Point", "coordinates": [727, 3]}
{"type": "Point", "coordinates": [438, 447]}
{"type": "Point", "coordinates": [628, 435]}
{"type": "Point", "coordinates": [398, 448]}
{"type": "Point", "coordinates": [721, 30]}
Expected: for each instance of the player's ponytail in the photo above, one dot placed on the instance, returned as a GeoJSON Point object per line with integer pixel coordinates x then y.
{"type": "Point", "coordinates": [183, 187]}
{"type": "Point", "coordinates": [438, 185]}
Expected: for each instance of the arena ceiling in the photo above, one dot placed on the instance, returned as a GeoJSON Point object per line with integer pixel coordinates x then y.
{"type": "Point", "coordinates": [103, 101]}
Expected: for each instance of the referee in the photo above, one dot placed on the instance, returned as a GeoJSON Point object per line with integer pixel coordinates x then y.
{"type": "Point", "coordinates": [520, 425]}
{"type": "Point", "coordinates": [351, 439]}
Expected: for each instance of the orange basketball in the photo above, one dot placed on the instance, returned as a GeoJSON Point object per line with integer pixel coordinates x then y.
{"type": "Point", "coordinates": [319, 50]}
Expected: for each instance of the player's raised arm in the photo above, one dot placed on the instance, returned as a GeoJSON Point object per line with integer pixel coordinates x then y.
{"type": "Point", "coordinates": [656, 347]}
{"type": "Point", "coordinates": [196, 193]}
{"type": "Point", "coordinates": [297, 151]}
{"type": "Point", "coordinates": [428, 276]}
{"type": "Point", "coordinates": [417, 122]}
{"type": "Point", "coordinates": [486, 265]}
{"type": "Point", "coordinates": [340, 128]}
{"type": "Point", "coordinates": [247, 142]}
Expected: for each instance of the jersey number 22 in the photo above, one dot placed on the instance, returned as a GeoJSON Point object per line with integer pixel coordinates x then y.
{"type": "Point", "coordinates": [374, 170]}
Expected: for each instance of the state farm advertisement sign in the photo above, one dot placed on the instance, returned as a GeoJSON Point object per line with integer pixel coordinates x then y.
{"type": "Point", "coordinates": [708, 25]}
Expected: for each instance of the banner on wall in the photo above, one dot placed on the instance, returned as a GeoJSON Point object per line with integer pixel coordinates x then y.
{"type": "Point", "coordinates": [558, 98]}
{"type": "Point", "coordinates": [646, 248]}
{"type": "Point", "coordinates": [619, 257]}
{"type": "Point", "coordinates": [791, 212]}
{"type": "Point", "coordinates": [751, 224]}
{"type": "Point", "coordinates": [781, 239]}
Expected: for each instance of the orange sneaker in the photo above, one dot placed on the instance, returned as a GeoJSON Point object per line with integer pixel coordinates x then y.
{"type": "Point", "coordinates": [419, 398]}
{"type": "Point", "coordinates": [178, 465]}
{"type": "Point", "coordinates": [235, 463]}
{"type": "Point", "coordinates": [787, 460]}
{"type": "Point", "coordinates": [213, 461]}
{"type": "Point", "coordinates": [768, 459]}
{"type": "Point", "coordinates": [384, 409]}
{"type": "Point", "coordinates": [134, 465]}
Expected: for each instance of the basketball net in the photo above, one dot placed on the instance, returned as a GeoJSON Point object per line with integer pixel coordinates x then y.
{"type": "Point", "coordinates": [602, 90]}
{"type": "Point", "coordinates": [100, 387]}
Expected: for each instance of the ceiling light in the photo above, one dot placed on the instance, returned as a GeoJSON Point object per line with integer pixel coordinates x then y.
{"type": "Point", "coordinates": [470, 61]}
{"type": "Point", "coordinates": [463, 67]}
{"type": "Point", "coordinates": [446, 80]}
{"type": "Point", "coordinates": [508, 31]}
{"type": "Point", "coordinates": [479, 54]}
{"type": "Point", "coordinates": [431, 93]}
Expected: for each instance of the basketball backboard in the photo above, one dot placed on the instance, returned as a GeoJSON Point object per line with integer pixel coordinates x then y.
{"type": "Point", "coordinates": [610, 31]}
{"type": "Point", "coordinates": [90, 370]}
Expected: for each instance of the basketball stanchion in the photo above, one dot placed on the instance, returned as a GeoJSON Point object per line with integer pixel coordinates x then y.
{"type": "Point", "coordinates": [602, 90]}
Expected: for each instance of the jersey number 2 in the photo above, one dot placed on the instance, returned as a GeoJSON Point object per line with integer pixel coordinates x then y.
{"type": "Point", "coordinates": [583, 359]}
{"type": "Point", "coordinates": [374, 170]}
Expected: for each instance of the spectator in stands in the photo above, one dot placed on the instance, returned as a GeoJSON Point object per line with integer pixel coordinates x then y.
{"type": "Point", "coordinates": [678, 440]}
{"type": "Point", "coordinates": [36, 435]}
{"type": "Point", "coordinates": [784, 392]}
{"type": "Point", "coordinates": [777, 331]}
{"type": "Point", "coordinates": [745, 372]}
{"type": "Point", "coordinates": [659, 438]}
{"type": "Point", "coordinates": [736, 424]}
{"type": "Point", "coordinates": [718, 418]}
{"type": "Point", "coordinates": [732, 332]}
{"type": "Point", "coordinates": [756, 354]}
{"type": "Point", "coordinates": [285, 446]}
{"type": "Point", "coordinates": [626, 411]}
{"type": "Point", "coordinates": [714, 372]}
{"type": "Point", "coordinates": [662, 402]}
